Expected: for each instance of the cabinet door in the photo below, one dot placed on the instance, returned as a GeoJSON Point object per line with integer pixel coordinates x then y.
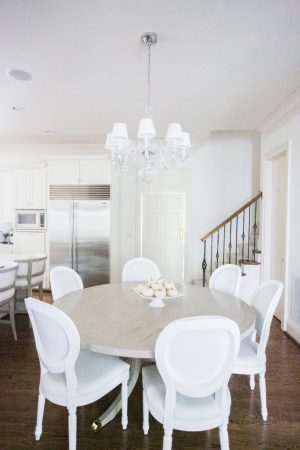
{"type": "Point", "coordinates": [7, 195]}
{"type": "Point", "coordinates": [23, 189]}
{"type": "Point", "coordinates": [95, 171]}
{"type": "Point", "coordinates": [38, 188]}
{"type": "Point", "coordinates": [29, 242]}
{"type": "Point", "coordinates": [31, 188]}
{"type": "Point", "coordinates": [64, 172]}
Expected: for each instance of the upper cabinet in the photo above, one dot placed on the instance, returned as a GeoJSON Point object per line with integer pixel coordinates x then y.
{"type": "Point", "coordinates": [89, 171]}
{"type": "Point", "coordinates": [7, 195]}
{"type": "Point", "coordinates": [31, 188]}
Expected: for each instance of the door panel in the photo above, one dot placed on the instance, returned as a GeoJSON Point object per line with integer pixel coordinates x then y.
{"type": "Point", "coordinates": [278, 228]}
{"type": "Point", "coordinates": [163, 232]}
{"type": "Point", "coordinates": [92, 230]}
{"type": "Point", "coordinates": [60, 231]}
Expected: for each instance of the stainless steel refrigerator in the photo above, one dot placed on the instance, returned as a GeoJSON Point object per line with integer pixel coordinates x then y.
{"type": "Point", "coordinates": [80, 236]}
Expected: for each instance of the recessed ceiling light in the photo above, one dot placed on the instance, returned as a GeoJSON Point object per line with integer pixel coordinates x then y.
{"type": "Point", "coordinates": [18, 74]}
{"type": "Point", "coordinates": [18, 108]}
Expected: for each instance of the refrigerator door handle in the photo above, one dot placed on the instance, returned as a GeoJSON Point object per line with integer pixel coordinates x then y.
{"type": "Point", "coordinates": [75, 249]}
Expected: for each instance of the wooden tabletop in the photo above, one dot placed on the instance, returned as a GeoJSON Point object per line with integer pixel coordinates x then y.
{"type": "Point", "coordinates": [114, 320]}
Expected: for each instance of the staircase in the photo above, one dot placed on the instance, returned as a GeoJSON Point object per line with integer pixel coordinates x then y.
{"type": "Point", "coordinates": [236, 241]}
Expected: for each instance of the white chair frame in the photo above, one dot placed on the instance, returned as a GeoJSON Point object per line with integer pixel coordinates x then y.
{"type": "Point", "coordinates": [220, 272]}
{"type": "Point", "coordinates": [29, 275]}
{"type": "Point", "coordinates": [58, 346]}
{"type": "Point", "coordinates": [252, 358]}
{"type": "Point", "coordinates": [140, 269]}
{"type": "Point", "coordinates": [10, 301]}
{"type": "Point", "coordinates": [190, 361]}
{"type": "Point", "coordinates": [56, 288]}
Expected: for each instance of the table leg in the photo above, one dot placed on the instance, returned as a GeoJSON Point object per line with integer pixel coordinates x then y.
{"type": "Point", "coordinates": [115, 407]}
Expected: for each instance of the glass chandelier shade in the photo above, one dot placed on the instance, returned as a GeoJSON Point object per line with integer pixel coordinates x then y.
{"type": "Point", "coordinates": [147, 152]}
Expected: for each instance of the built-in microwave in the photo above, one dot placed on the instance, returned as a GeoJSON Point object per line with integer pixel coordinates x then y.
{"type": "Point", "coordinates": [30, 219]}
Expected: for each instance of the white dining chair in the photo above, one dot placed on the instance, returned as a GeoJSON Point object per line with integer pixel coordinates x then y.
{"type": "Point", "coordinates": [140, 269]}
{"type": "Point", "coordinates": [30, 274]}
{"type": "Point", "coordinates": [64, 280]}
{"type": "Point", "coordinates": [226, 278]}
{"type": "Point", "coordinates": [71, 376]}
{"type": "Point", "coordinates": [252, 356]}
{"type": "Point", "coordinates": [7, 291]}
{"type": "Point", "coordinates": [188, 388]}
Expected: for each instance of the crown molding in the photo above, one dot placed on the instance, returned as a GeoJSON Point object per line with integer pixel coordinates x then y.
{"type": "Point", "coordinates": [286, 111]}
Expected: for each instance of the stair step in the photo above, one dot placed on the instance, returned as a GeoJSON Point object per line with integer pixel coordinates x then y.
{"type": "Point", "coordinates": [249, 262]}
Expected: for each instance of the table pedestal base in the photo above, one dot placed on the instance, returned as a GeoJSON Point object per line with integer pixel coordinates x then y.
{"type": "Point", "coordinates": [115, 407]}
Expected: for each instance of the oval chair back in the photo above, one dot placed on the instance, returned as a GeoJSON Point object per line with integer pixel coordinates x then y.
{"type": "Point", "coordinates": [64, 280]}
{"type": "Point", "coordinates": [226, 278]}
{"type": "Point", "coordinates": [140, 269]}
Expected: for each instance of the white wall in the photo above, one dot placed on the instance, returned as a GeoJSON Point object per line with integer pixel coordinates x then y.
{"type": "Point", "coordinates": [272, 140]}
{"type": "Point", "coordinates": [225, 174]}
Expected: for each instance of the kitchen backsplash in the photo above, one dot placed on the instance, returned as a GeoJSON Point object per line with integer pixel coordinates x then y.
{"type": "Point", "coordinates": [5, 226]}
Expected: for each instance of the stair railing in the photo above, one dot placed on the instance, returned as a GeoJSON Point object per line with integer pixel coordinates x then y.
{"type": "Point", "coordinates": [234, 240]}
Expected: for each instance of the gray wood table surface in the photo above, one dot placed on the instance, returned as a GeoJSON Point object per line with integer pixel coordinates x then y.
{"type": "Point", "coordinates": [114, 320]}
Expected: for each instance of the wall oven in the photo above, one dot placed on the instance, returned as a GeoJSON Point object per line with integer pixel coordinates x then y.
{"type": "Point", "coordinates": [30, 219]}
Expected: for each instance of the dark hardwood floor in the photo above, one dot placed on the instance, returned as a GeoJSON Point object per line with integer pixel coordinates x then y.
{"type": "Point", "coordinates": [19, 378]}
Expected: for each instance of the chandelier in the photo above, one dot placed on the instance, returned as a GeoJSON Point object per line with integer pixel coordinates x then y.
{"type": "Point", "coordinates": [148, 153]}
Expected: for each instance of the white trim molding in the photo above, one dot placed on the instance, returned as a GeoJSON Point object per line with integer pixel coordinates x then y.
{"type": "Point", "coordinates": [288, 109]}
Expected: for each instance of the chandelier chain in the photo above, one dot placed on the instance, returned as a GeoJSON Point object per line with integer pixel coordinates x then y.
{"type": "Point", "coordinates": [148, 111]}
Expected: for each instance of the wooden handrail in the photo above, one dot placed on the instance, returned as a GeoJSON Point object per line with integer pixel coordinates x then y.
{"type": "Point", "coordinates": [232, 216]}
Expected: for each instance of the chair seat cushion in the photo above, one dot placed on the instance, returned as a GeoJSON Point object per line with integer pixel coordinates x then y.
{"type": "Point", "coordinates": [22, 282]}
{"type": "Point", "coordinates": [191, 414]}
{"type": "Point", "coordinates": [248, 362]}
{"type": "Point", "coordinates": [6, 295]}
{"type": "Point", "coordinates": [96, 375]}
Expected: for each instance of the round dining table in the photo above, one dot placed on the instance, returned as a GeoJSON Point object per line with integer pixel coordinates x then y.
{"type": "Point", "coordinates": [114, 319]}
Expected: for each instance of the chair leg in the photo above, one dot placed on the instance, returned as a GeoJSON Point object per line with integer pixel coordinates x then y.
{"type": "Point", "coordinates": [124, 396]}
{"type": "Point", "coordinates": [167, 442]}
{"type": "Point", "coordinates": [224, 439]}
{"type": "Point", "coordinates": [12, 317]}
{"type": "Point", "coordinates": [145, 414]}
{"type": "Point", "coordinates": [40, 415]}
{"type": "Point", "coordinates": [252, 381]}
{"type": "Point", "coordinates": [263, 395]}
{"type": "Point", "coordinates": [72, 428]}
{"type": "Point", "coordinates": [41, 292]}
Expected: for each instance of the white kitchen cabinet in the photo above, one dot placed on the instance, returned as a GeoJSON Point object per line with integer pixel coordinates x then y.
{"type": "Point", "coordinates": [29, 242]}
{"type": "Point", "coordinates": [7, 195]}
{"type": "Point", "coordinates": [89, 171]}
{"type": "Point", "coordinates": [6, 249]}
{"type": "Point", "coordinates": [31, 188]}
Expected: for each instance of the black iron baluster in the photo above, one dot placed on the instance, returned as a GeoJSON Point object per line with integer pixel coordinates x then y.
{"type": "Point", "coordinates": [236, 238]}
{"type": "Point", "coordinates": [249, 221]}
{"type": "Point", "coordinates": [204, 263]}
{"type": "Point", "coordinates": [230, 244]}
{"type": "Point", "coordinates": [211, 250]}
{"type": "Point", "coordinates": [254, 230]}
{"type": "Point", "coordinates": [217, 254]}
{"type": "Point", "coordinates": [224, 246]}
{"type": "Point", "coordinates": [243, 236]}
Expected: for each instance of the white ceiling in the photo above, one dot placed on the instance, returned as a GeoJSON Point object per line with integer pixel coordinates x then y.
{"type": "Point", "coordinates": [219, 65]}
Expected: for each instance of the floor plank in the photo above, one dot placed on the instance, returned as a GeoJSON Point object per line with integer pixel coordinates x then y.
{"type": "Point", "coordinates": [19, 377]}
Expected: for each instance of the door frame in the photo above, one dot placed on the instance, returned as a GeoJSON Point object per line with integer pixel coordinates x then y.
{"type": "Point", "coordinates": [171, 182]}
{"type": "Point", "coordinates": [267, 166]}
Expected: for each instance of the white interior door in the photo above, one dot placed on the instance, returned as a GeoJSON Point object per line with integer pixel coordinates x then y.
{"type": "Point", "coordinates": [163, 232]}
{"type": "Point", "coordinates": [278, 224]}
